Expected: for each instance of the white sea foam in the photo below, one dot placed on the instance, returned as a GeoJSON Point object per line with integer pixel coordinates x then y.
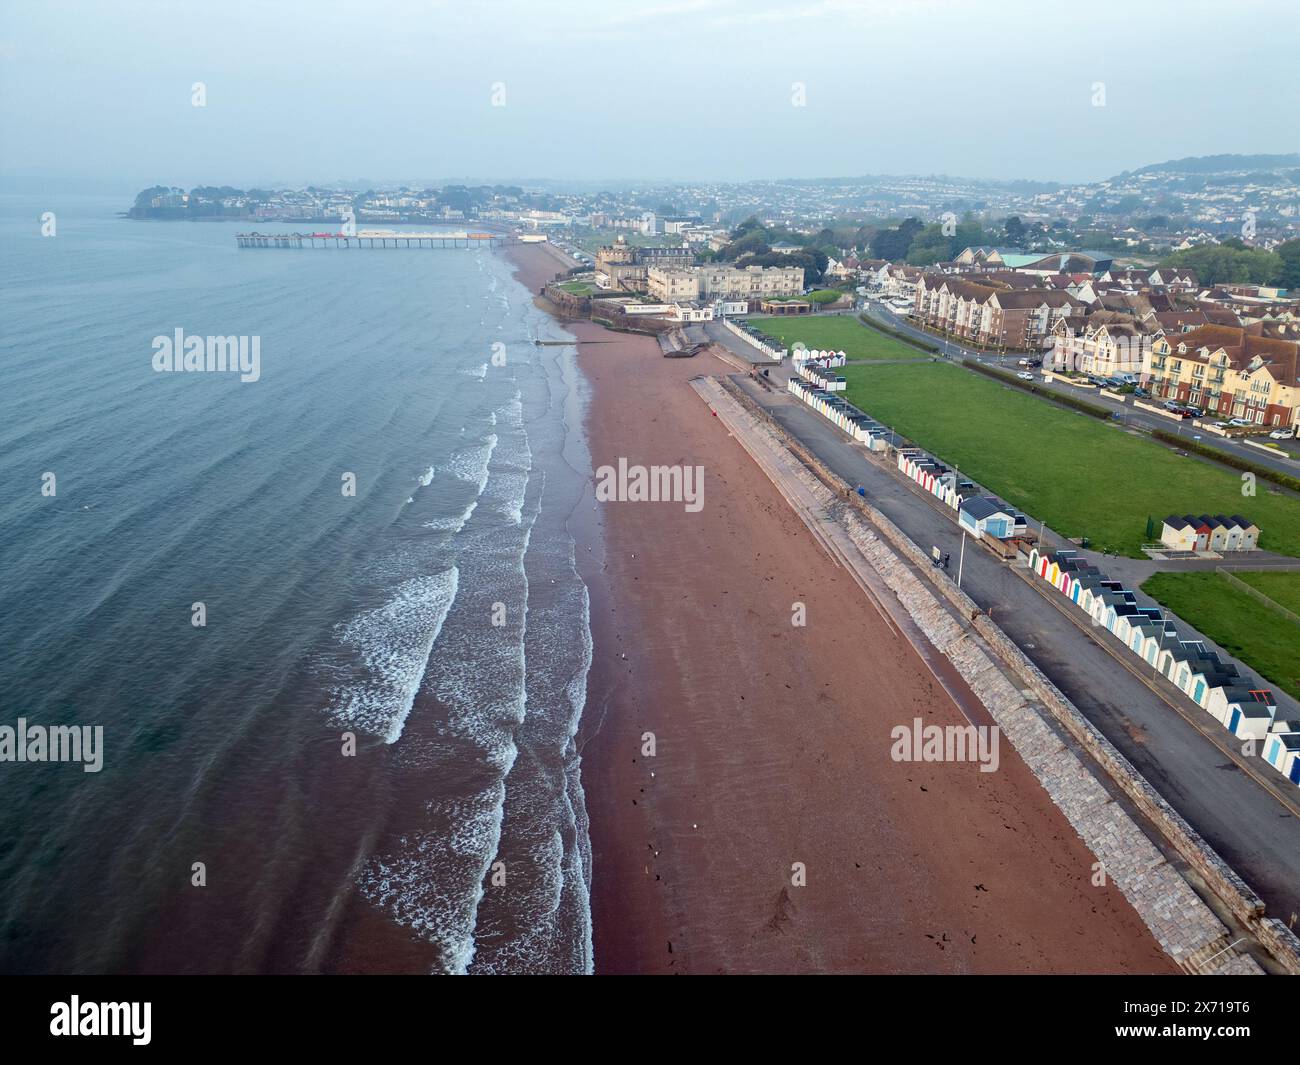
{"type": "Point", "coordinates": [426, 478]}
{"type": "Point", "coordinates": [418, 885]}
{"type": "Point", "coordinates": [454, 523]}
{"type": "Point", "coordinates": [471, 464]}
{"type": "Point", "coordinates": [394, 642]}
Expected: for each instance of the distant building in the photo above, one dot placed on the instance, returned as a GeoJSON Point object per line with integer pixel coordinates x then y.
{"type": "Point", "coordinates": [722, 280]}
{"type": "Point", "coordinates": [622, 267]}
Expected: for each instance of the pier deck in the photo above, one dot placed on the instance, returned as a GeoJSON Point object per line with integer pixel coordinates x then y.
{"type": "Point", "coordinates": [371, 238]}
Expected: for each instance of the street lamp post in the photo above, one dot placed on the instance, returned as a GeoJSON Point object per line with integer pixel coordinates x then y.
{"type": "Point", "coordinates": [961, 558]}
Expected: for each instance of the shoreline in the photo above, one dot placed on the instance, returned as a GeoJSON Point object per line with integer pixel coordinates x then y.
{"type": "Point", "coordinates": [772, 742]}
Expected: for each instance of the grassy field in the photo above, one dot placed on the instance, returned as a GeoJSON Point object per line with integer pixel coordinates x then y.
{"type": "Point", "coordinates": [1082, 476]}
{"type": "Point", "coordinates": [1242, 626]}
{"type": "Point", "coordinates": [1282, 587]}
{"type": "Point", "coordinates": [837, 333]}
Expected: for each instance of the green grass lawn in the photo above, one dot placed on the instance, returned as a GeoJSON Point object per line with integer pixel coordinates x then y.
{"type": "Point", "coordinates": [1084, 477]}
{"type": "Point", "coordinates": [579, 288]}
{"type": "Point", "coordinates": [837, 333]}
{"type": "Point", "coordinates": [1242, 626]}
{"type": "Point", "coordinates": [1280, 586]}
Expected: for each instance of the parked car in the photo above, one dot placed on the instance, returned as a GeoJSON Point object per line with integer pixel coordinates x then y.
{"type": "Point", "coordinates": [1141, 392]}
{"type": "Point", "coordinates": [1281, 434]}
{"type": "Point", "coordinates": [1195, 412]}
{"type": "Point", "coordinates": [1025, 376]}
{"type": "Point", "coordinates": [1240, 422]}
{"type": "Point", "coordinates": [1170, 405]}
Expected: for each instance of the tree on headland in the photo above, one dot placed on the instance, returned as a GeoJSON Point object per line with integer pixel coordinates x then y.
{"type": "Point", "coordinates": [145, 198]}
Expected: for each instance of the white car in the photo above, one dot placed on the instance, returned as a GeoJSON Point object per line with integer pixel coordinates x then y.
{"type": "Point", "coordinates": [1281, 434]}
{"type": "Point", "coordinates": [1240, 422]}
{"type": "Point", "coordinates": [1025, 376]}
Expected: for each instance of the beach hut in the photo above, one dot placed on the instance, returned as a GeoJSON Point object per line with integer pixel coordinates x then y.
{"type": "Point", "coordinates": [1178, 534]}
{"type": "Point", "coordinates": [1247, 533]}
{"type": "Point", "coordinates": [1183, 532]}
{"type": "Point", "coordinates": [1127, 618]}
{"type": "Point", "coordinates": [1250, 720]}
{"type": "Point", "coordinates": [985, 516]}
{"type": "Point", "coordinates": [1102, 611]}
{"type": "Point", "coordinates": [1218, 532]}
{"type": "Point", "coordinates": [1236, 703]}
{"type": "Point", "coordinates": [1282, 752]}
{"type": "Point", "coordinates": [1086, 587]}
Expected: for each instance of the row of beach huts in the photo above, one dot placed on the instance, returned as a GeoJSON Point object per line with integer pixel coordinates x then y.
{"type": "Point", "coordinates": [983, 516]}
{"type": "Point", "coordinates": [769, 346]}
{"type": "Point", "coordinates": [821, 374]}
{"type": "Point", "coordinates": [818, 356]}
{"type": "Point", "coordinates": [860, 426]}
{"type": "Point", "coordinates": [1238, 701]}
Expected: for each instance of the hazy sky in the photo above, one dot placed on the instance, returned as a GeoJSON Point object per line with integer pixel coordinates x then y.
{"type": "Point", "coordinates": [663, 89]}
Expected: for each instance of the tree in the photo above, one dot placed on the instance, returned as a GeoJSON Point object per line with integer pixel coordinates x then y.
{"type": "Point", "coordinates": [1015, 231]}
{"type": "Point", "coordinates": [930, 247]}
{"type": "Point", "coordinates": [893, 244]}
{"type": "Point", "coordinates": [1289, 253]}
{"type": "Point", "coordinates": [1230, 262]}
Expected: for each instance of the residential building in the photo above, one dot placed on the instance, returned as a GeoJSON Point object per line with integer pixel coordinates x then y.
{"type": "Point", "coordinates": [724, 280]}
{"type": "Point", "coordinates": [991, 314]}
{"type": "Point", "coordinates": [1229, 371]}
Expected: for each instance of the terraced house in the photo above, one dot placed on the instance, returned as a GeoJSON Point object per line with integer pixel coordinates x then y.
{"type": "Point", "coordinates": [1234, 372]}
{"type": "Point", "coordinates": [991, 313]}
{"type": "Point", "coordinates": [1106, 344]}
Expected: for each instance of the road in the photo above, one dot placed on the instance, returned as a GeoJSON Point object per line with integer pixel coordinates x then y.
{"type": "Point", "coordinates": [1228, 798]}
{"type": "Point", "coordinates": [1131, 415]}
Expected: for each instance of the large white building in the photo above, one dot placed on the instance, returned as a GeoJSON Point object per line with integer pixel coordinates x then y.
{"type": "Point", "coordinates": [723, 280]}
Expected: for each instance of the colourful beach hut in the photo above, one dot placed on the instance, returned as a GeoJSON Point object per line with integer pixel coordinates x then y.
{"type": "Point", "coordinates": [1282, 752]}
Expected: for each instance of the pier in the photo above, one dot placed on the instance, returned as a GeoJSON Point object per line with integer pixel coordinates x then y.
{"type": "Point", "coordinates": [371, 238]}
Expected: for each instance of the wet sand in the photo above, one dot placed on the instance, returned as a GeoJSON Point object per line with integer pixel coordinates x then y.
{"type": "Point", "coordinates": [772, 741]}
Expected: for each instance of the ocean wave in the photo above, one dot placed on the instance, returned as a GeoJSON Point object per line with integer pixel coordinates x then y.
{"type": "Point", "coordinates": [418, 886]}
{"type": "Point", "coordinates": [394, 642]}
{"type": "Point", "coordinates": [456, 522]}
{"type": "Point", "coordinates": [471, 464]}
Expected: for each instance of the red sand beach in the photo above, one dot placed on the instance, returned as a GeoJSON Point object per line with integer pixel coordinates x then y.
{"type": "Point", "coordinates": [773, 741]}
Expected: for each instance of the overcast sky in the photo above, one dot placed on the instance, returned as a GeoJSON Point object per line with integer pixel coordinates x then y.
{"type": "Point", "coordinates": [663, 89]}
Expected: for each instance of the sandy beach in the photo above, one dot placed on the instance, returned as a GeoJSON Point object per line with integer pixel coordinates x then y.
{"type": "Point", "coordinates": [772, 741]}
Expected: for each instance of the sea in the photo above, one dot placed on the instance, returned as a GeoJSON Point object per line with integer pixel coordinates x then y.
{"type": "Point", "coordinates": [328, 619]}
